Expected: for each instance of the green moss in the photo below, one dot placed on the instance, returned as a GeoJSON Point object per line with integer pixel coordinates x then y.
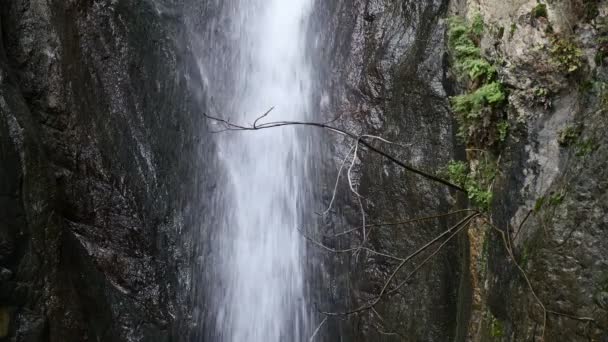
{"type": "Point", "coordinates": [471, 105]}
{"type": "Point", "coordinates": [462, 40]}
{"type": "Point", "coordinates": [569, 135]}
{"type": "Point", "coordinates": [477, 184]}
{"type": "Point", "coordinates": [456, 172]}
{"type": "Point", "coordinates": [557, 198]}
{"type": "Point", "coordinates": [512, 30]}
{"type": "Point", "coordinates": [503, 130]}
{"type": "Point", "coordinates": [496, 327]}
{"type": "Point", "coordinates": [539, 11]}
{"type": "Point", "coordinates": [585, 147]}
{"type": "Point", "coordinates": [566, 54]}
{"type": "Point", "coordinates": [591, 9]}
{"type": "Point", "coordinates": [477, 25]}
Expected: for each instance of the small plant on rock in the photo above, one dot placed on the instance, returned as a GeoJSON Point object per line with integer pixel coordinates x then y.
{"type": "Point", "coordinates": [539, 11]}
{"type": "Point", "coordinates": [566, 54]}
{"type": "Point", "coordinates": [477, 183]}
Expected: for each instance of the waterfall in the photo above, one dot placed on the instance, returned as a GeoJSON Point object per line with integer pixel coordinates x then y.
{"type": "Point", "coordinates": [263, 64]}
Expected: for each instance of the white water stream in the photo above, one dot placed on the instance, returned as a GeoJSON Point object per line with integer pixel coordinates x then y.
{"type": "Point", "coordinates": [262, 253]}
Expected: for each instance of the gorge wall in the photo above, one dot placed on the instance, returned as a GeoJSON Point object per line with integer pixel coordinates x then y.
{"type": "Point", "coordinates": [549, 183]}
{"type": "Point", "coordinates": [107, 169]}
{"type": "Point", "coordinates": [101, 139]}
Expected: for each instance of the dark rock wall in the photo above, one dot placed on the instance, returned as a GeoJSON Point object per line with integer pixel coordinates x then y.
{"type": "Point", "coordinates": [100, 180]}
{"type": "Point", "coordinates": [385, 76]}
{"type": "Point", "coordinates": [107, 173]}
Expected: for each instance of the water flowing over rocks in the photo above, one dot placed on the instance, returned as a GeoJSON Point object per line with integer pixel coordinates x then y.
{"type": "Point", "coordinates": [110, 181]}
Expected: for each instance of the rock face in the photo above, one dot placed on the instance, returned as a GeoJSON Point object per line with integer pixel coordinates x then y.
{"type": "Point", "coordinates": [101, 136]}
{"type": "Point", "coordinates": [550, 190]}
{"type": "Point", "coordinates": [386, 76]}
{"type": "Point", "coordinates": [107, 172]}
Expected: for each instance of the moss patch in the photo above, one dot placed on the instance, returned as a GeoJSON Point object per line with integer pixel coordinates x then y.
{"type": "Point", "coordinates": [476, 182]}
{"type": "Point", "coordinates": [485, 94]}
{"type": "Point", "coordinates": [566, 54]}
{"type": "Point", "coordinates": [539, 11]}
{"type": "Point", "coordinates": [497, 329]}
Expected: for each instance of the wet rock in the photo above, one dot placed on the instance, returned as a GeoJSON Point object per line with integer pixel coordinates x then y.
{"type": "Point", "coordinates": [560, 187]}
{"type": "Point", "coordinates": [5, 274]}
{"type": "Point", "coordinates": [99, 140]}
{"type": "Point", "coordinates": [385, 76]}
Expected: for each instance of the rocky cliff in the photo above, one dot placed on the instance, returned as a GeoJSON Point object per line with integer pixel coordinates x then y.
{"type": "Point", "coordinates": [100, 141]}
{"type": "Point", "coordinates": [385, 75]}
{"type": "Point", "coordinates": [547, 279]}
{"type": "Point", "coordinates": [525, 83]}
{"type": "Point", "coordinates": [107, 171]}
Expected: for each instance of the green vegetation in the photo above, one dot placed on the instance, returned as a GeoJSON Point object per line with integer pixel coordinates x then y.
{"type": "Point", "coordinates": [512, 30]}
{"type": "Point", "coordinates": [471, 107]}
{"type": "Point", "coordinates": [591, 9]}
{"type": "Point", "coordinates": [496, 328]}
{"type": "Point", "coordinates": [566, 54]}
{"type": "Point", "coordinates": [539, 11]}
{"type": "Point", "coordinates": [569, 135]}
{"type": "Point", "coordinates": [456, 172]}
{"type": "Point", "coordinates": [463, 42]}
{"type": "Point", "coordinates": [485, 93]}
{"type": "Point", "coordinates": [541, 92]}
{"type": "Point", "coordinates": [503, 130]}
{"type": "Point", "coordinates": [477, 183]}
{"type": "Point", "coordinates": [477, 25]}
{"type": "Point", "coordinates": [585, 147]}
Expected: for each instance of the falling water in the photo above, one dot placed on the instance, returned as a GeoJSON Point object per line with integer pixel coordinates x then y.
{"type": "Point", "coordinates": [261, 297]}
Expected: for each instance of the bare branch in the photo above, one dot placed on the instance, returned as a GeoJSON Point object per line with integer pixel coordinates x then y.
{"type": "Point", "coordinates": [317, 330]}
{"type": "Point", "coordinates": [428, 258]}
{"type": "Point", "coordinates": [228, 126]}
{"type": "Point", "coordinates": [546, 311]}
{"type": "Point", "coordinates": [261, 117]}
{"type": "Point", "coordinates": [348, 250]}
{"type": "Point", "coordinates": [401, 265]}
{"type": "Point", "coordinates": [333, 196]}
{"type": "Point", "coordinates": [426, 218]}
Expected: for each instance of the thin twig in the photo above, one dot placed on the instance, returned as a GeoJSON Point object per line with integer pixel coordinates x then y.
{"type": "Point", "coordinates": [523, 273]}
{"type": "Point", "coordinates": [317, 330]}
{"type": "Point", "coordinates": [426, 218]}
{"type": "Point", "coordinates": [228, 126]}
{"type": "Point", "coordinates": [262, 116]}
{"type": "Point", "coordinates": [428, 258]}
{"type": "Point", "coordinates": [348, 250]}
{"type": "Point", "coordinates": [400, 266]}
{"type": "Point", "coordinates": [333, 196]}
{"type": "Point", "coordinates": [521, 224]}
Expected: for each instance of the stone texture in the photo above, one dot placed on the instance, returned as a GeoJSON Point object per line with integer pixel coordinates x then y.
{"type": "Point", "coordinates": [385, 75]}
{"type": "Point", "coordinates": [559, 186]}
{"type": "Point", "coordinates": [100, 132]}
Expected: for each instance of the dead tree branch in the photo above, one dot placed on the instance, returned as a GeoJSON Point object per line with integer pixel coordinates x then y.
{"type": "Point", "coordinates": [229, 126]}
{"type": "Point", "coordinates": [404, 261]}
